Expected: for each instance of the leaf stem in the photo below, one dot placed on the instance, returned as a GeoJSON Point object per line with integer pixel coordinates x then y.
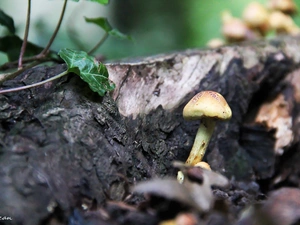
{"type": "Point", "coordinates": [46, 49]}
{"type": "Point", "coordinates": [98, 44]}
{"type": "Point", "coordinates": [35, 84]}
{"type": "Point", "coordinates": [23, 47]}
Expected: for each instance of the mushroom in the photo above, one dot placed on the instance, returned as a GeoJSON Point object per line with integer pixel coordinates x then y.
{"type": "Point", "coordinates": [235, 29]}
{"type": "Point", "coordinates": [283, 23]}
{"type": "Point", "coordinates": [285, 6]}
{"type": "Point", "coordinates": [215, 43]}
{"type": "Point", "coordinates": [256, 16]}
{"type": "Point", "coordinates": [203, 165]}
{"type": "Point", "coordinates": [207, 106]}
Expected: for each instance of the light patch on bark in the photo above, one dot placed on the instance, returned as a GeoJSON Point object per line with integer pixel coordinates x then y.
{"type": "Point", "coordinates": [276, 114]}
{"type": "Point", "coordinates": [139, 93]}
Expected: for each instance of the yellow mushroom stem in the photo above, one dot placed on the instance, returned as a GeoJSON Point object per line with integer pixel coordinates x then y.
{"type": "Point", "coordinates": [203, 136]}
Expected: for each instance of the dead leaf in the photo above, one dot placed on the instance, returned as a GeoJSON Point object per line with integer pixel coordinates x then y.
{"type": "Point", "coordinates": [193, 194]}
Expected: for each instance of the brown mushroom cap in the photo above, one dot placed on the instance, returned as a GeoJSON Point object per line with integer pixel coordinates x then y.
{"type": "Point", "coordinates": [207, 104]}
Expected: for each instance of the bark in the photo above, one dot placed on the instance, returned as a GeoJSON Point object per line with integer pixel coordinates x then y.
{"type": "Point", "coordinates": [63, 146]}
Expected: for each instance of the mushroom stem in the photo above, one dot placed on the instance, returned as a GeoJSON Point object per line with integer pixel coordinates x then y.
{"type": "Point", "coordinates": [203, 136]}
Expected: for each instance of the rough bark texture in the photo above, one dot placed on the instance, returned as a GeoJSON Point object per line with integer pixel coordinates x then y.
{"type": "Point", "coordinates": [63, 146]}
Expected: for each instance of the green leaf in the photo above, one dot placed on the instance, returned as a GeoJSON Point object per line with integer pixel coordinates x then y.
{"type": "Point", "coordinates": [7, 21]}
{"type": "Point", "coordinates": [104, 2]}
{"type": "Point", "coordinates": [101, 22]}
{"type": "Point", "coordinates": [89, 70]}
{"type": "Point", "coordinates": [118, 34]}
{"type": "Point", "coordinates": [104, 24]}
{"type": "Point", "coordinates": [11, 45]}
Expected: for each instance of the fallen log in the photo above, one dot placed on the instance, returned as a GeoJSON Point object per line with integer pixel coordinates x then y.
{"type": "Point", "coordinates": [63, 146]}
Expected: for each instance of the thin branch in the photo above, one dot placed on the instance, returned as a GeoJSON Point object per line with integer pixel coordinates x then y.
{"type": "Point", "coordinates": [23, 48]}
{"type": "Point", "coordinates": [44, 52]}
{"type": "Point", "coordinates": [4, 77]}
{"type": "Point", "coordinates": [34, 85]}
{"type": "Point", "coordinates": [12, 64]}
{"type": "Point", "coordinates": [7, 76]}
{"type": "Point", "coordinates": [98, 44]}
{"type": "Point", "coordinates": [46, 49]}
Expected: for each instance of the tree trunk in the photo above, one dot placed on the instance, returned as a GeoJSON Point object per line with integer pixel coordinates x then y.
{"type": "Point", "coordinates": [63, 146]}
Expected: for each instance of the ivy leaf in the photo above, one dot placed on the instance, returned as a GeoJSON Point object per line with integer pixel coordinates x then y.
{"type": "Point", "coordinates": [101, 22]}
{"type": "Point", "coordinates": [104, 24]}
{"type": "Point", "coordinates": [89, 70]}
{"type": "Point", "coordinates": [7, 21]}
{"type": "Point", "coordinates": [103, 2]}
{"type": "Point", "coordinates": [118, 34]}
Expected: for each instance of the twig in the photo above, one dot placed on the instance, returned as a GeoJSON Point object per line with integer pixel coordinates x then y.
{"type": "Point", "coordinates": [8, 76]}
{"type": "Point", "coordinates": [23, 47]}
{"type": "Point", "coordinates": [12, 64]}
{"type": "Point", "coordinates": [46, 49]}
{"type": "Point", "coordinates": [4, 77]}
{"type": "Point", "coordinates": [98, 44]}
{"type": "Point", "coordinates": [34, 85]}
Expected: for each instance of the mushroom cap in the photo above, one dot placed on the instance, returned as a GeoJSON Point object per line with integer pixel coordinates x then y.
{"type": "Point", "coordinates": [285, 6]}
{"type": "Point", "coordinates": [207, 104]}
{"type": "Point", "coordinates": [256, 15]}
{"type": "Point", "coordinates": [235, 29]}
{"type": "Point", "coordinates": [280, 21]}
